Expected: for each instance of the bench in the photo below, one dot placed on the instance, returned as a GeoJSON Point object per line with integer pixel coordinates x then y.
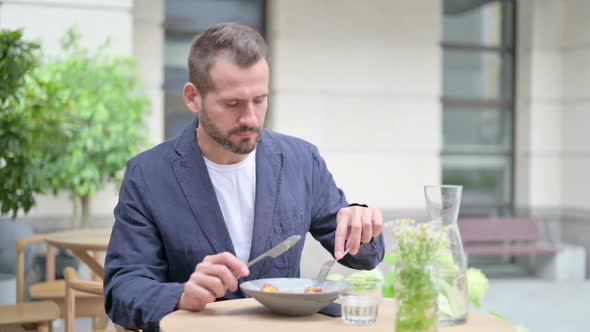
{"type": "Point", "coordinates": [523, 239]}
{"type": "Point", "coordinates": [504, 237]}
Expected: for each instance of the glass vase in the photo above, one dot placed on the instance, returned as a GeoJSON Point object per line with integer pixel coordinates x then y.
{"type": "Point", "coordinates": [416, 298]}
{"type": "Point", "coordinates": [442, 205]}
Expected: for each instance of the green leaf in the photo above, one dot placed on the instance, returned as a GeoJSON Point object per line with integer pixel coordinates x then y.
{"type": "Point", "coordinates": [372, 275]}
{"type": "Point", "coordinates": [477, 284]}
{"type": "Point", "coordinates": [388, 291]}
{"type": "Point", "coordinates": [495, 314]}
{"type": "Point", "coordinates": [334, 276]}
{"type": "Point", "coordinates": [390, 279]}
{"type": "Point", "coordinates": [390, 258]}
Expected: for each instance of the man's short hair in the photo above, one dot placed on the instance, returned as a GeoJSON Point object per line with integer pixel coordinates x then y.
{"type": "Point", "coordinates": [242, 43]}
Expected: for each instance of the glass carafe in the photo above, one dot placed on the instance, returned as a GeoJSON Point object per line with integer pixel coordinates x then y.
{"type": "Point", "coordinates": [442, 206]}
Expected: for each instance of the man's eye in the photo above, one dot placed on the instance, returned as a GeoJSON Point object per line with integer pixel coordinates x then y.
{"type": "Point", "coordinates": [259, 100]}
{"type": "Point", "coordinates": [232, 104]}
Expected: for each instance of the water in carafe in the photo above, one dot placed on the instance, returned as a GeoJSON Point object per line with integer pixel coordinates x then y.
{"type": "Point", "coordinates": [442, 206]}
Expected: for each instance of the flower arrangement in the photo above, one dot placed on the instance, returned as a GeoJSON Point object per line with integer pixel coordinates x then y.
{"type": "Point", "coordinates": [477, 282]}
{"type": "Point", "coordinates": [423, 244]}
{"type": "Point", "coordinates": [416, 247]}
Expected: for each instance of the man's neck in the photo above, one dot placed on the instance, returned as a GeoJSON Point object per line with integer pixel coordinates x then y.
{"type": "Point", "coordinates": [213, 151]}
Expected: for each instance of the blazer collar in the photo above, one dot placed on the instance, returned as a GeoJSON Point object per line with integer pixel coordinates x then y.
{"type": "Point", "coordinates": [269, 171]}
{"type": "Point", "coordinates": [192, 176]}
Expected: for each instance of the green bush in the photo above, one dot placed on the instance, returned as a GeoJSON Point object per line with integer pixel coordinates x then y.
{"type": "Point", "coordinates": [103, 120]}
{"type": "Point", "coordinates": [19, 176]}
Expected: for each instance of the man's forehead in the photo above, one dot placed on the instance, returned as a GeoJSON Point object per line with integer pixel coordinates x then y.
{"type": "Point", "coordinates": [228, 75]}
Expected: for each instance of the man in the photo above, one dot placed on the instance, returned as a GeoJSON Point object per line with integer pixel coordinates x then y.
{"type": "Point", "coordinates": [194, 209]}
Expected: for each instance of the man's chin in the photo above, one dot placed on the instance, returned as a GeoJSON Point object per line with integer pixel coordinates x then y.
{"type": "Point", "coordinates": [246, 149]}
{"type": "Point", "coordinates": [245, 146]}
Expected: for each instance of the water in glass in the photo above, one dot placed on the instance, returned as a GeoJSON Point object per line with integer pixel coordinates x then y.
{"type": "Point", "coordinates": [360, 301]}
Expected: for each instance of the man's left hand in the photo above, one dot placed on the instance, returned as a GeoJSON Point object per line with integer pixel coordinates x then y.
{"type": "Point", "coordinates": [356, 225]}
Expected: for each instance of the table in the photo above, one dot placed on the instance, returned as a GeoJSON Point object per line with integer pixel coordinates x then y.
{"type": "Point", "coordinates": [246, 315]}
{"type": "Point", "coordinates": [80, 241]}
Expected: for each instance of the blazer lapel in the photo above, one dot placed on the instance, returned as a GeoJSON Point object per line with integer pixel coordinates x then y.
{"type": "Point", "coordinates": [269, 168]}
{"type": "Point", "coordinates": [192, 176]}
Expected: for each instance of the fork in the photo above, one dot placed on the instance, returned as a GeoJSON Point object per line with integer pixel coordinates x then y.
{"type": "Point", "coordinates": [326, 268]}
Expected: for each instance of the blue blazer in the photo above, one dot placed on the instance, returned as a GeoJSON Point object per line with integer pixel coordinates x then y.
{"type": "Point", "coordinates": [168, 219]}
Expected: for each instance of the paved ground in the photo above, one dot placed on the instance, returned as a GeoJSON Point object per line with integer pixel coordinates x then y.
{"type": "Point", "coordinates": [541, 305]}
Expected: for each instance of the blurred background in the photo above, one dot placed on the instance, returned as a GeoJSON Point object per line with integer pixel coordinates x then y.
{"type": "Point", "coordinates": [493, 95]}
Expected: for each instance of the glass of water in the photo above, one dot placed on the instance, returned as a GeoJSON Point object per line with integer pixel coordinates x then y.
{"type": "Point", "coordinates": [360, 299]}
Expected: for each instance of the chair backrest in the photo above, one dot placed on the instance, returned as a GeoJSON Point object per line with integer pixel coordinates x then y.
{"type": "Point", "coordinates": [499, 229]}
{"type": "Point", "coordinates": [74, 284]}
{"type": "Point", "coordinates": [21, 244]}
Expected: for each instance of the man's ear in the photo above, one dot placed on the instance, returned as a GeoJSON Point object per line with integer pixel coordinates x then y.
{"type": "Point", "coordinates": [192, 97]}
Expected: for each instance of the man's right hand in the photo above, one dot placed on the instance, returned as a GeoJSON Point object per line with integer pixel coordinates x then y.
{"type": "Point", "coordinates": [211, 279]}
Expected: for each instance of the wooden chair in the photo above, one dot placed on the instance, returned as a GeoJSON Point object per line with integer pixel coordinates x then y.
{"type": "Point", "coordinates": [52, 289]}
{"type": "Point", "coordinates": [32, 316]}
{"type": "Point", "coordinates": [74, 287]}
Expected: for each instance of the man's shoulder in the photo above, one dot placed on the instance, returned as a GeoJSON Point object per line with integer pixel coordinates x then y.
{"type": "Point", "coordinates": [161, 153]}
{"type": "Point", "coordinates": [288, 143]}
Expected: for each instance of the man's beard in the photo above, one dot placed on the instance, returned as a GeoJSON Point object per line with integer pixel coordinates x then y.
{"type": "Point", "coordinates": [245, 146]}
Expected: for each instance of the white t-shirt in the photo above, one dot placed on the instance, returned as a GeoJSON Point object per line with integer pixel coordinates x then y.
{"type": "Point", "coordinates": [235, 187]}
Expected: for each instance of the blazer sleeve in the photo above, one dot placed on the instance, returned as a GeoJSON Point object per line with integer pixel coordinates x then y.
{"type": "Point", "coordinates": [136, 294]}
{"type": "Point", "coordinates": [327, 199]}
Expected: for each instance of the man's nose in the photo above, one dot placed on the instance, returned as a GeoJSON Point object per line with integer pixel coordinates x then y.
{"type": "Point", "coordinates": [248, 116]}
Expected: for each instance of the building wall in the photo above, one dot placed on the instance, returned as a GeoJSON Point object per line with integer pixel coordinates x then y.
{"type": "Point", "coordinates": [47, 21]}
{"type": "Point", "coordinates": [553, 117]}
{"type": "Point", "coordinates": [575, 124]}
{"type": "Point", "coordinates": [539, 107]}
{"type": "Point", "coordinates": [148, 49]}
{"type": "Point", "coordinates": [362, 82]}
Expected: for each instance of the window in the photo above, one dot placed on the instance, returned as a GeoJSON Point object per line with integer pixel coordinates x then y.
{"type": "Point", "coordinates": [184, 20]}
{"type": "Point", "coordinates": [478, 103]}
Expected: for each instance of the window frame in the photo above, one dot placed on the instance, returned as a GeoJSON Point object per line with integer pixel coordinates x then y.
{"type": "Point", "coordinates": [452, 155]}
